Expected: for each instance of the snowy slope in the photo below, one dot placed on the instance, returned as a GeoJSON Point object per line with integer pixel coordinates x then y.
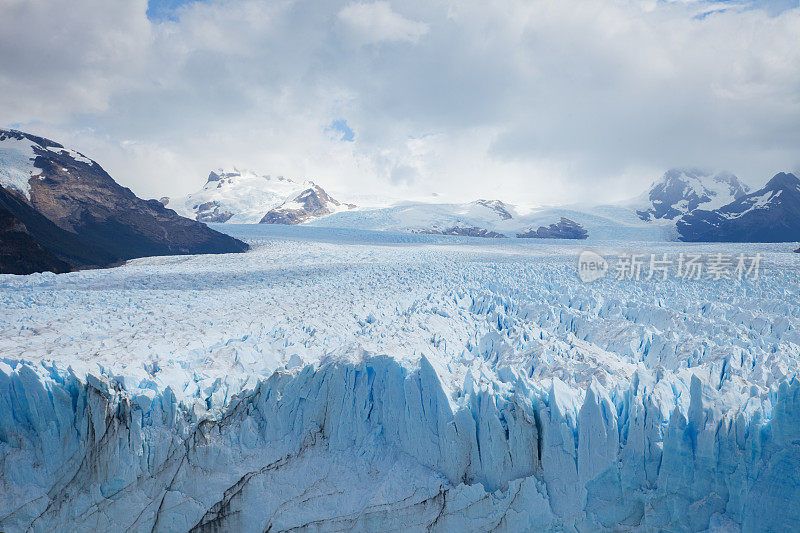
{"type": "Point", "coordinates": [16, 163]}
{"type": "Point", "coordinates": [415, 216]}
{"type": "Point", "coordinates": [601, 222]}
{"type": "Point", "coordinates": [18, 153]}
{"type": "Point", "coordinates": [439, 384]}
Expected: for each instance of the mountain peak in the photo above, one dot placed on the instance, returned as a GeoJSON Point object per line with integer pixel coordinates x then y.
{"type": "Point", "coordinates": [783, 180]}
{"type": "Point", "coordinates": [683, 190]}
{"type": "Point", "coordinates": [497, 206]}
{"type": "Point", "coordinates": [770, 214]}
{"type": "Point", "coordinates": [242, 196]}
{"type": "Point", "coordinates": [224, 177]}
{"type": "Point", "coordinates": [310, 203]}
{"type": "Point", "coordinates": [19, 153]}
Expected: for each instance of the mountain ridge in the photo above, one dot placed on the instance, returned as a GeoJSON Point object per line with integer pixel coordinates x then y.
{"type": "Point", "coordinates": [683, 190]}
{"type": "Point", "coordinates": [770, 214]}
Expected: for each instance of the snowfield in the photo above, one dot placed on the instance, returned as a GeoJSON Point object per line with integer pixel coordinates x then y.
{"type": "Point", "coordinates": [334, 380]}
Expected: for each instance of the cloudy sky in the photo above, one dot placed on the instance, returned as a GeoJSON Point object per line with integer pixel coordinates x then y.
{"type": "Point", "coordinates": [542, 102]}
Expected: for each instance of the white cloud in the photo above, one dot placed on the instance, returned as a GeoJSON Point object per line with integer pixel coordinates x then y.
{"type": "Point", "coordinates": [376, 22]}
{"type": "Point", "coordinates": [529, 100]}
{"type": "Point", "coordinates": [62, 58]}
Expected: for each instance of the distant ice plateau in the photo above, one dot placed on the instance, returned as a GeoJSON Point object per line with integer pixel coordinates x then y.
{"type": "Point", "coordinates": [336, 379]}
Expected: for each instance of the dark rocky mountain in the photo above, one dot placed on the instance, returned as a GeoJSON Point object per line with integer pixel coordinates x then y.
{"type": "Point", "coordinates": [681, 191]}
{"type": "Point", "coordinates": [771, 214]}
{"type": "Point", "coordinates": [563, 229]}
{"type": "Point", "coordinates": [464, 231]}
{"type": "Point", "coordinates": [65, 245]}
{"type": "Point", "coordinates": [308, 205]}
{"type": "Point", "coordinates": [75, 211]}
{"type": "Point", "coordinates": [19, 252]}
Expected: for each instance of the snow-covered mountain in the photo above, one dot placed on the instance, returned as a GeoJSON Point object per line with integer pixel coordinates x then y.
{"type": "Point", "coordinates": [71, 212]}
{"type": "Point", "coordinates": [245, 197]}
{"type": "Point", "coordinates": [771, 214]}
{"type": "Point", "coordinates": [681, 191]}
{"type": "Point", "coordinates": [307, 205]}
{"type": "Point", "coordinates": [236, 196]}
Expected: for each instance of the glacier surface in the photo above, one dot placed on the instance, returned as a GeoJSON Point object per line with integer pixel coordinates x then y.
{"type": "Point", "coordinates": [335, 380]}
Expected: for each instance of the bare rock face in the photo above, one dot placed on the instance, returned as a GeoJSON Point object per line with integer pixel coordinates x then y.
{"type": "Point", "coordinates": [563, 229]}
{"type": "Point", "coordinates": [111, 224]}
{"type": "Point", "coordinates": [310, 204]}
{"type": "Point", "coordinates": [464, 231]}
{"type": "Point", "coordinates": [19, 252]}
{"type": "Point", "coordinates": [211, 212]}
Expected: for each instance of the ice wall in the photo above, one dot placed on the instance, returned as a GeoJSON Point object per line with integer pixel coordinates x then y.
{"type": "Point", "coordinates": [372, 443]}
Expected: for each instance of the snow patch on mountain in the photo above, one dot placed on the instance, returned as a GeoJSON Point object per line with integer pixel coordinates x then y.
{"type": "Point", "coordinates": [17, 163]}
{"type": "Point", "coordinates": [600, 222]}
{"type": "Point", "coordinates": [758, 201]}
{"type": "Point", "coordinates": [73, 154]}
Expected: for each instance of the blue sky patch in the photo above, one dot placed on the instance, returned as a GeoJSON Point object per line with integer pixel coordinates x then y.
{"type": "Point", "coordinates": [159, 10]}
{"type": "Point", "coordinates": [773, 7]}
{"type": "Point", "coordinates": [340, 126]}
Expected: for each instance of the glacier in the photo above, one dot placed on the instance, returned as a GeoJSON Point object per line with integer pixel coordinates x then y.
{"type": "Point", "coordinates": [334, 380]}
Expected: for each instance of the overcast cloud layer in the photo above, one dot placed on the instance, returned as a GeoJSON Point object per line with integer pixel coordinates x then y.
{"type": "Point", "coordinates": [527, 101]}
